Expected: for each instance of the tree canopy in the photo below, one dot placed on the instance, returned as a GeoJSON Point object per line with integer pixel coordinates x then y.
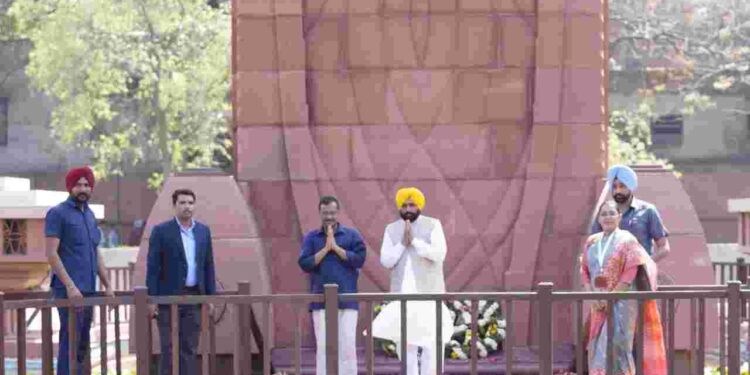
{"type": "Point", "coordinates": [695, 49]}
{"type": "Point", "coordinates": [135, 81]}
{"type": "Point", "coordinates": [690, 47]}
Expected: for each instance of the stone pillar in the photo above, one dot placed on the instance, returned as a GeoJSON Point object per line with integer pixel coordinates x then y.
{"type": "Point", "coordinates": [569, 110]}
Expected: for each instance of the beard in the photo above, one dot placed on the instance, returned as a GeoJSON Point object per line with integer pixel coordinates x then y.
{"type": "Point", "coordinates": [82, 197]}
{"type": "Point", "coordinates": [411, 216]}
{"type": "Point", "coordinates": [621, 198]}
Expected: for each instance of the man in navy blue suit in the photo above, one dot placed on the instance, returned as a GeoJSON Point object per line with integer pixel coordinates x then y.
{"type": "Point", "coordinates": [180, 262]}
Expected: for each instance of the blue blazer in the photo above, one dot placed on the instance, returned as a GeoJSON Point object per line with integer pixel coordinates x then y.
{"type": "Point", "coordinates": [166, 267]}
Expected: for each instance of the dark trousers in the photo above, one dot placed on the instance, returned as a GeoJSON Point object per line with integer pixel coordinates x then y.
{"type": "Point", "coordinates": [190, 329]}
{"type": "Point", "coordinates": [84, 317]}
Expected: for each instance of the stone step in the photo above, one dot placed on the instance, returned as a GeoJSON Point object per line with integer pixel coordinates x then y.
{"type": "Point", "coordinates": [525, 361]}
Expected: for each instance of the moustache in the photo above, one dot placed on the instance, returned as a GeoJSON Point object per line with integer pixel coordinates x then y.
{"type": "Point", "coordinates": [411, 216]}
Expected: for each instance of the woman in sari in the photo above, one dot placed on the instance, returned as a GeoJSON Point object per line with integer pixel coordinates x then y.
{"type": "Point", "coordinates": [614, 261]}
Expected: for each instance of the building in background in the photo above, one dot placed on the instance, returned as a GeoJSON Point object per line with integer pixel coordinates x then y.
{"type": "Point", "coordinates": [711, 149]}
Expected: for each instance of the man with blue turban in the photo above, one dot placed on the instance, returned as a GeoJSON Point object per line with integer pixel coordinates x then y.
{"type": "Point", "coordinates": [639, 217]}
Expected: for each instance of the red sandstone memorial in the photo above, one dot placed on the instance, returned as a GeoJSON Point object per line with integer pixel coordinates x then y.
{"type": "Point", "coordinates": [495, 109]}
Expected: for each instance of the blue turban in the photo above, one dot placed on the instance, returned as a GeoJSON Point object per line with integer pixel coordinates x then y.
{"type": "Point", "coordinates": [624, 174]}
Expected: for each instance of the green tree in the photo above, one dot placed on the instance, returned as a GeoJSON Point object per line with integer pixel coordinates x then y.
{"type": "Point", "coordinates": [135, 81]}
{"type": "Point", "coordinates": [12, 52]}
{"type": "Point", "coordinates": [630, 136]}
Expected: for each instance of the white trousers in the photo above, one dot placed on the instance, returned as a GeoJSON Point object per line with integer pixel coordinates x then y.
{"type": "Point", "coordinates": [427, 363]}
{"type": "Point", "coordinates": [347, 341]}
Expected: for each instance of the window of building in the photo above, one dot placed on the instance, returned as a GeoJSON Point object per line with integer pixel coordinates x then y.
{"type": "Point", "coordinates": [667, 130]}
{"type": "Point", "coordinates": [4, 121]}
{"type": "Point", "coordinates": [14, 237]}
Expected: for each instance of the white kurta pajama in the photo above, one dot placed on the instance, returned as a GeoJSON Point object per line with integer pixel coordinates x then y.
{"type": "Point", "coordinates": [347, 341]}
{"type": "Point", "coordinates": [417, 268]}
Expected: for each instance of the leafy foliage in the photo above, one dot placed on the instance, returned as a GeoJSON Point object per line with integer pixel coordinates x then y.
{"type": "Point", "coordinates": [630, 136]}
{"type": "Point", "coordinates": [135, 81]}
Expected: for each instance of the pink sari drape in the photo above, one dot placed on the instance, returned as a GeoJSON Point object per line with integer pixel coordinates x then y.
{"type": "Point", "coordinates": [622, 267]}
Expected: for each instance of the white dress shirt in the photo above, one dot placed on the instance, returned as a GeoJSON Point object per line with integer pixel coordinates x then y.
{"type": "Point", "coordinates": [188, 243]}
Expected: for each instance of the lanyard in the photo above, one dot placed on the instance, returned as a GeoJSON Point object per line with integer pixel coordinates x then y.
{"type": "Point", "coordinates": [601, 251]}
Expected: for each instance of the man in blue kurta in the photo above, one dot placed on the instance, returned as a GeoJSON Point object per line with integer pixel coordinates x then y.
{"type": "Point", "coordinates": [333, 254]}
{"type": "Point", "coordinates": [72, 240]}
{"type": "Point", "coordinates": [639, 217]}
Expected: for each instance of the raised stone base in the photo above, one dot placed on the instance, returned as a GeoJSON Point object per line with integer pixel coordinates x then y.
{"type": "Point", "coordinates": [525, 361]}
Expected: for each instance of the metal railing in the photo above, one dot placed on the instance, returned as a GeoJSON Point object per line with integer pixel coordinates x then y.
{"type": "Point", "coordinates": [20, 302]}
{"type": "Point", "coordinates": [107, 310]}
{"type": "Point", "coordinates": [726, 271]}
{"type": "Point", "coordinates": [544, 297]}
{"type": "Point", "coordinates": [545, 300]}
{"type": "Point", "coordinates": [121, 279]}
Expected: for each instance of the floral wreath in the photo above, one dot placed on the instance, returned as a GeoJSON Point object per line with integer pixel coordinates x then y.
{"type": "Point", "coordinates": [491, 327]}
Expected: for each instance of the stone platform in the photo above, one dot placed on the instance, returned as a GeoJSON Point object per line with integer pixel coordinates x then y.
{"type": "Point", "coordinates": [525, 361]}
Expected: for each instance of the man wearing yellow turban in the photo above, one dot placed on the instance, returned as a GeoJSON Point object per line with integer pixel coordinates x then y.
{"type": "Point", "coordinates": [413, 194]}
{"type": "Point", "coordinates": [414, 249]}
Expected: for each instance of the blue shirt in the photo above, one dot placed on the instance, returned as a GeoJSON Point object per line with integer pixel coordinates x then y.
{"type": "Point", "coordinates": [332, 269]}
{"type": "Point", "coordinates": [79, 237]}
{"type": "Point", "coordinates": [643, 221]}
{"type": "Point", "coordinates": [188, 243]}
